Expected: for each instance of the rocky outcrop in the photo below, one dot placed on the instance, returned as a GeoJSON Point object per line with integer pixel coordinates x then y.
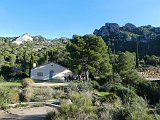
{"type": "Point", "coordinates": [125, 37]}
{"type": "Point", "coordinates": [107, 29]}
{"type": "Point", "coordinates": [157, 30]}
{"type": "Point", "coordinates": [21, 39]}
{"type": "Point", "coordinates": [128, 32]}
{"type": "Point", "coordinates": [129, 27]}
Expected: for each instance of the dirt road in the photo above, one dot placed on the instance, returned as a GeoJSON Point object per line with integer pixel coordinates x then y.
{"type": "Point", "coordinates": [34, 113]}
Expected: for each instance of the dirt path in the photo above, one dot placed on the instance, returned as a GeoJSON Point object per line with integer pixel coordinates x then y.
{"type": "Point", "coordinates": [35, 113]}
{"type": "Point", "coordinates": [50, 84]}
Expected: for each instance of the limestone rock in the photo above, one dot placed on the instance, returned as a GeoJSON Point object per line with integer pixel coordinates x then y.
{"type": "Point", "coordinates": [21, 39]}
{"type": "Point", "coordinates": [107, 29]}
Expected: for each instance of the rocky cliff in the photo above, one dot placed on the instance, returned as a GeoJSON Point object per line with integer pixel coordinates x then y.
{"type": "Point", "coordinates": [125, 37]}
{"type": "Point", "coordinates": [128, 32]}
{"type": "Point", "coordinates": [23, 38]}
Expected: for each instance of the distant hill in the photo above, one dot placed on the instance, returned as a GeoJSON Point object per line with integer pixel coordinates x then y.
{"type": "Point", "coordinates": [125, 37]}
{"type": "Point", "coordinates": [23, 38]}
{"type": "Point", "coordinates": [35, 42]}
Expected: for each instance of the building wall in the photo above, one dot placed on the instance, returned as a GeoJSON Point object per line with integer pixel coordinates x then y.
{"type": "Point", "coordinates": [44, 72]}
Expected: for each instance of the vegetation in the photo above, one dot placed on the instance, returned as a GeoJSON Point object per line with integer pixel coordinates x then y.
{"type": "Point", "coordinates": [10, 84]}
{"type": "Point", "coordinates": [17, 60]}
{"type": "Point", "coordinates": [89, 54]}
{"type": "Point", "coordinates": [42, 94]}
{"type": "Point", "coordinates": [8, 96]}
{"type": "Point", "coordinates": [109, 86]}
{"type": "Point", "coordinates": [27, 82]}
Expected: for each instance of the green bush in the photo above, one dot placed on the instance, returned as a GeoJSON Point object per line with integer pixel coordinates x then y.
{"type": "Point", "coordinates": [95, 85]}
{"type": "Point", "coordinates": [42, 93]}
{"type": "Point", "coordinates": [121, 114]}
{"type": "Point", "coordinates": [52, 115]}
{"type": "Point", "coordinates": [126, 94]}
{"type": "Point", "coordinates": [81, 105]}
{"type": "Point", "coordinates": [27, 82]}
{"type": "Point", "coordinates": [21, 105]}
{"type": "Point", "coordinates": [14, 96]}
{"type": "Point", "coordinates": [150, 91]}
{"type": "Point", "coordinates": [141, 115]}
{"type": "Point", "coordinates": [157, 108]}
{"type": "Point", "coordinates": [58, 94]}
{"type": "Point", "coordinates": [107, 99]}
{"type": "Point", "coordinates": [114, 100]}
{"type": "Point", "coordinates": [38, 105]}
{"type": "Point", "coordinates": [129, 113]}
{"type": "Point", "coordinates": [135, 110]}
{"type": "Point", "coordinates": [105, 115]}
{"type": "Point", "coordinates": [145, 89]}
{"type": "Point", "coordinates": [8, 95]}
{"type": "Point", "coordinates": [1, 79]}
{"type": "Point", "coordinates": [79, 87]}
{"type": "Point", "coordinates": [26, 94]}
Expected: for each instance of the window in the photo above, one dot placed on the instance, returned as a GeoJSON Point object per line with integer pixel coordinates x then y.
{"type": "Point", "coordinates": [40, 74]}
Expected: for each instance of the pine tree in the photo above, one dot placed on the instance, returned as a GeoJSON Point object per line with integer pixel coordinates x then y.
{"type": "Point", "coordinates": [89, 55]}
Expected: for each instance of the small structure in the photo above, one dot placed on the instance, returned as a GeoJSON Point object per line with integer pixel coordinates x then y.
{"type": "Point", "coordinates": [150, 72]}
{"type": "Point", "coordinates": [50, 71]}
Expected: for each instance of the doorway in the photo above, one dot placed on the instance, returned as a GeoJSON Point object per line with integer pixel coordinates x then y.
{"type": "Point", "coordinates": [51, 74]}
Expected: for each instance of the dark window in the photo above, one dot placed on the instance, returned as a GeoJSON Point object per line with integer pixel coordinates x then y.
{"type": "Point", "coordinates": [39, 73]}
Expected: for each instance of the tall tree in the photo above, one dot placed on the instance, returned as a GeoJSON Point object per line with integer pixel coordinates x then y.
{"type": "Point", "coordinates": [46, 57]}
{"type": "Point", "coordinates": [31, 63]}
{"type": "Point", "coordinates": [126, 63]}
{"type": "Point", "coordinates": [137, 55]}
{"type": "Point", "coordinates": [89, 55]}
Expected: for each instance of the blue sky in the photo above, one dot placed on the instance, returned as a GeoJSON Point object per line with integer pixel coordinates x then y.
{"type": "Point", "coordinates": [63, 18]}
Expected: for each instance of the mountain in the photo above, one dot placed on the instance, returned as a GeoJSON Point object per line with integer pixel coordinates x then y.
{"type": "Point", "coordinates": [126, 37]}
{"type": "Point", "coordinates": [36, 42]}
{"type": "Point", "coordinates": [128, 32]}
{"type": "Point", "coordinates": [23, 38]}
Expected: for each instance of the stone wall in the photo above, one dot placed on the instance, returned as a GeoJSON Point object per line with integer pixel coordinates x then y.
{"type": "Point", "coordinates": [151, 72]}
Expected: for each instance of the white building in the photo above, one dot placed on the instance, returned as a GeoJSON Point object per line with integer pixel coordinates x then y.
{"type": "Point", "coordinates": [50, 71]}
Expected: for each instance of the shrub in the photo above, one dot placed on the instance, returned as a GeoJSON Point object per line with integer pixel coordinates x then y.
{"type": "Point", "coordinates": [110, 99]}
{"type": "Point", "coordinates": [137, 110]}
{"type": "Point", "coordinates": [27, 82]}
{"type": "Point", "coordinates": [114, 100]}
{"type": "Point", "coordinates": [58, 94]}
{"type": "Point", "coordinates": [26, 94]}
{"type": "Point", "coordinates": [79, 87]}
{"type": "Point", "coordinates": [105, 115]}
{"type": "Point", "coordinates": [21, 105]}
{"type": "Point", "coordinates": [127, 95]}
{"type": "Point", "coordinates": [146, 89]}
{"type": "Point", "coordinates": [149, 90]}
{"type": "Point", "coordinates": [42, 93]}
{"type": "Point", "coordinates": [14, 96]}
{"type": "Point", "coordinates": [1, 79]}
{"type": "Point", "coordinates": [81, 105]}
{"type": "Point", "coordinates": [141, 115]}
{"type": "Point", "coordinates": [121, 114]}
{"type": "Point", "coordinates": [158, 108]}
{"type": "Point", "coordinates": [39, 105]}
{"type": "Point", "coordinates": [52, 115]}
{"type": "Point", "coordinates": [95, 85]}
{"type": "Point", "coordinates": [7, 96]}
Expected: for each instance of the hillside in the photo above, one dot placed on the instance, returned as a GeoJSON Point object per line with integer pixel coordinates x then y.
{"type": "Point", "coordinates": [23, 38]}
{"type": "Point", "coordinates": [125, 37]}
{"type": "Point", "coordinates": [35, 42]}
